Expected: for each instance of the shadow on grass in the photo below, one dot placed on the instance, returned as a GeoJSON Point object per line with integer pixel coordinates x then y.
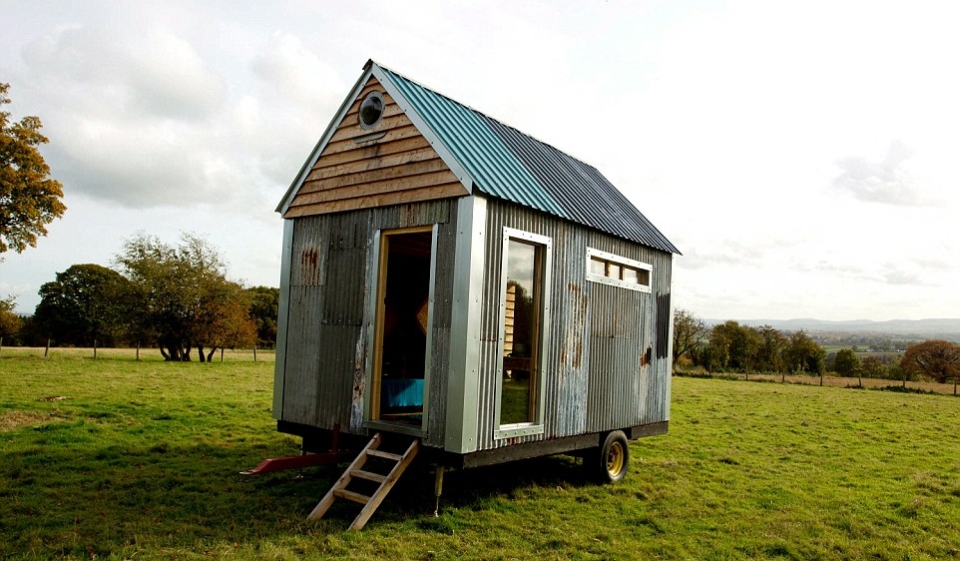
{"type": "Point", "coordinates": [62, 490]}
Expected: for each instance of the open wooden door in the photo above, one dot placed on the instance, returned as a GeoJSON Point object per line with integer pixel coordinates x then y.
{"type": "Point", "coordinates": [401, 361]}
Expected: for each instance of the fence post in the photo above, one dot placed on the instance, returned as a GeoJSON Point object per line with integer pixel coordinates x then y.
{"type": "Point", "coordinates": [138, 351]}
{"type": "Point", "coordinates": [1, 344]}
{"type": "Point", "coordinates": [47, 350]}
{"type": "Point", "coordinates": [821, 378]}
{"type": "Point", "coordinates": [954, 378]}
{"type": "Point", "coordinates": [221, 354]}
{"type": "Point", "coordinates": [94, 348]}
{"type": "Point", "coordinates": [254, 351]}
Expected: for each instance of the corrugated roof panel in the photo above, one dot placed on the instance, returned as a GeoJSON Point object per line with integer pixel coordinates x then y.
{"type": "Point", "coordinates": [585, 194]}
{"type": "Point", "coordinates": [492, 166]}
{"type": "Point", "coordinates": [508, 164]}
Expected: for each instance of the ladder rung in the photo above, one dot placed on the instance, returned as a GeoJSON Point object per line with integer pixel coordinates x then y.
{"type": "Point", "coordinates": [384, 455]}
{"type": "Point", "coordinates": [369, 476]}
{"type": "Point", "coordinates": [351, 496]}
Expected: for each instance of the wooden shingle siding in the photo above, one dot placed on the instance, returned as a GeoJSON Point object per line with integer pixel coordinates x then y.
{"type": "Point", "coordinates": [396, 165]}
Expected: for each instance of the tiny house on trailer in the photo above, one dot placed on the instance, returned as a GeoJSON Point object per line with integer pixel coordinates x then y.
{"type": "Point", "coordinates": [451, 280]}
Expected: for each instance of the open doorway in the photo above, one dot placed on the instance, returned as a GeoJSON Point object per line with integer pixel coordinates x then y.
{"type": "Point", "coordinates": [403, 297]}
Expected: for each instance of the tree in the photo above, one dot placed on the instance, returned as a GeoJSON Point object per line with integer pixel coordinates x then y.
{"type": "Point", "coordinates": [83, 306]}
{"type": "Point", "coordinates": [264, 309]}
{"type": "Point", "coordinates": [872, 367]}
{"type": "Point", "coordinates": [29, 198]}
{"type": "Point", "coordinates": [733, 345]}
{"type": "Point", "coordinates": [847, 363]}
{"type": "Point", "coordinates": [770, 352]}
{"type": "Point", "coordinates": [224, 319]}
{"type": "Point", "coordinates": [688, 330]}
{"type": "Point", "coordinates": [803, 354]}
{"type": "Point", "coordinates": [934, 359]}
{"type": "Point", "coordinates": [10, 322]}
{"type": "Point", "coordinates": [180, 297]}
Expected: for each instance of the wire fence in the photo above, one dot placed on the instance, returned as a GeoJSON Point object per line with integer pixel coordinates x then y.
{"type": "Point", "coordinates": [947, 388]}
{"type": "Point", "coordinates": [143, 353]}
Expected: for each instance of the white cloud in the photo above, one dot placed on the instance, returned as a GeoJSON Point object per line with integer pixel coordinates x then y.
{"type": "Point", "coordinates": [132, 116]}
{"type": "Point", "coordinates": [127, 75]}
{"type": "Point", "coordinates": [888, 181]}
{"type": "Point", "coordinates": [295, 73]}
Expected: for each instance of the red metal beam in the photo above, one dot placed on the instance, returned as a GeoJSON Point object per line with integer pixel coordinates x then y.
{"type": "Point", "coordinates": [298, 462]}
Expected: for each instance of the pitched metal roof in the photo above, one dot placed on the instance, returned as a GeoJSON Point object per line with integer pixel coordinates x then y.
{"type": "Point", "coordinates": [505, 163]}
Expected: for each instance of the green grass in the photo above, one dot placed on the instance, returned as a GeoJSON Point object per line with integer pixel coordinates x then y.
{"type": "Point", "coordinates": [139, 460]}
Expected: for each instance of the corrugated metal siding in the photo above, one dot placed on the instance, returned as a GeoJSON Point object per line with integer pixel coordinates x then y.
{"type": "Point", "coordinates": [615, 350]}
{"type": "Point", "coordinates": [326, 353]}
{"type": "Point", "coordinates": [515, 167]}
{"type": "Point", "coordinates": [594, 379]}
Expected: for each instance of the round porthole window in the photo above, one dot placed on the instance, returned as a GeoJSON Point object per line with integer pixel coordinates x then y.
{"type": "Point", "coordinates": [371, 110]}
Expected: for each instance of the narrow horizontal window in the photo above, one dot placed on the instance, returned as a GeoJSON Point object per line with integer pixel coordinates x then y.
{"type": "Point", "coordinates": [614, 270]}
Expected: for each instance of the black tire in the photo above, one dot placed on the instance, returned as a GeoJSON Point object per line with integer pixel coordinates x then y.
{"type": "Point", "coordinates": [613, 460]}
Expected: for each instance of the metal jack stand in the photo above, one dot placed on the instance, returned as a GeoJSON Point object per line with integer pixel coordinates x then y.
{"type": "Point", "coordinates": [437, 490]}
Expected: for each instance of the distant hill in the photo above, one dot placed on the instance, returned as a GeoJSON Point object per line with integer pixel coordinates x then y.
{"type": "Point", "coordinates": [942, 328]}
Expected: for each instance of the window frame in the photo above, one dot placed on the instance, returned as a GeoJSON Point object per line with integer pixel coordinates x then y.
{"type": "Point", "coordinates": [594, 254]}
{"type": "Point", "coordinates": [542, 336]}
{"type": "Point", "coordinates": [375, 94]}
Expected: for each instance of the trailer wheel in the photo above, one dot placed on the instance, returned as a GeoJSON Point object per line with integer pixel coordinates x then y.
{"type": "Point", "coordinates": [614, 458]}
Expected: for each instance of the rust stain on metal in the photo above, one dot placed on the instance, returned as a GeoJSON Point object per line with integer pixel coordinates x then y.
{"type": "Point", "coordinates": [356, 405]}
{"type": "Point", "coordinates": [572, 349]}
{"type": "Point", "coordinates": [309, 271]}
{"type": "Point", "coordinates": [645, 359]}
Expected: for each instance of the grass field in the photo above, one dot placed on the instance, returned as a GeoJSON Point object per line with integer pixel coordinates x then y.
{"type": "Point", "coordinates": [117, 459]}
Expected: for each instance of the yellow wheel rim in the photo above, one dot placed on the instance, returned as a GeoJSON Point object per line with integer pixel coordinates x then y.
{"type": "Point", "coordinates": [615, 459]}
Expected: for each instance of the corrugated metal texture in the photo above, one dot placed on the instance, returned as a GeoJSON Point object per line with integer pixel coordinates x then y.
{"type": "Point", "coordinates": [300, 384]}
{"type": "Point", "coordinates": [326, 351]}
{"type": "Point", "coordinates": [658, 398]}
{"type": "Point", "coordinates": [411, 215]}
{"type": "Point", "coordinates": [422, 214]}
{"type": "Point", "coordinates": [465, 133]}
{"type": "Point", "coordinates": [594, 377]}
{"type": "Point", "coordinates": [510, 165]}
{"type": "Point", "coordinates": [615, 350]}
{"type": "Point", "coordinates": [326, 314]}
{"type": "Point", "coordinates": [584, 193]}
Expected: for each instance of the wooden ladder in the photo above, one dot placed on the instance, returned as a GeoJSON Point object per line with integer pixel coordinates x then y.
{"type": "Point", "coordinates": [355, 471]}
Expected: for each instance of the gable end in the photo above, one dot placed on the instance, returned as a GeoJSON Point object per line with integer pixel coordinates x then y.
{"type": "Point", "coordinates": [390, 163]}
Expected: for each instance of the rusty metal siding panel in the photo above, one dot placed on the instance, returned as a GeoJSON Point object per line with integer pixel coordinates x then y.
{"type": "Point", "coordinates": [345, 260]}
{"type": "Point", "coordinates": [303, 352]}
{"type": "Point", "coordinates": [658, 398]}
{"type": "Point", "coordinates": [340, 315]}
{"type": "Point", "coordinates": [595, 376]}
{"type": "Point", "coordinates": [615, 352]}
{"type": "Point", "coordinates": [442, 214]}
{"type": "Point", "coordinates": [335, 385]}
{"type": "Point", "coordinates": [303, 355]}
{"type": "Point", "coordinates": [326, 358]}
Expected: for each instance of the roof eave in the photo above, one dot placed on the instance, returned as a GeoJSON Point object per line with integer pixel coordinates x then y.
{"type": "Point", "coordinates": [311, 160]}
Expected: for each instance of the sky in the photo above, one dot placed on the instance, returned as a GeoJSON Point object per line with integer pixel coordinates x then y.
{"type": "Point", "coordinates": [803, 156]}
